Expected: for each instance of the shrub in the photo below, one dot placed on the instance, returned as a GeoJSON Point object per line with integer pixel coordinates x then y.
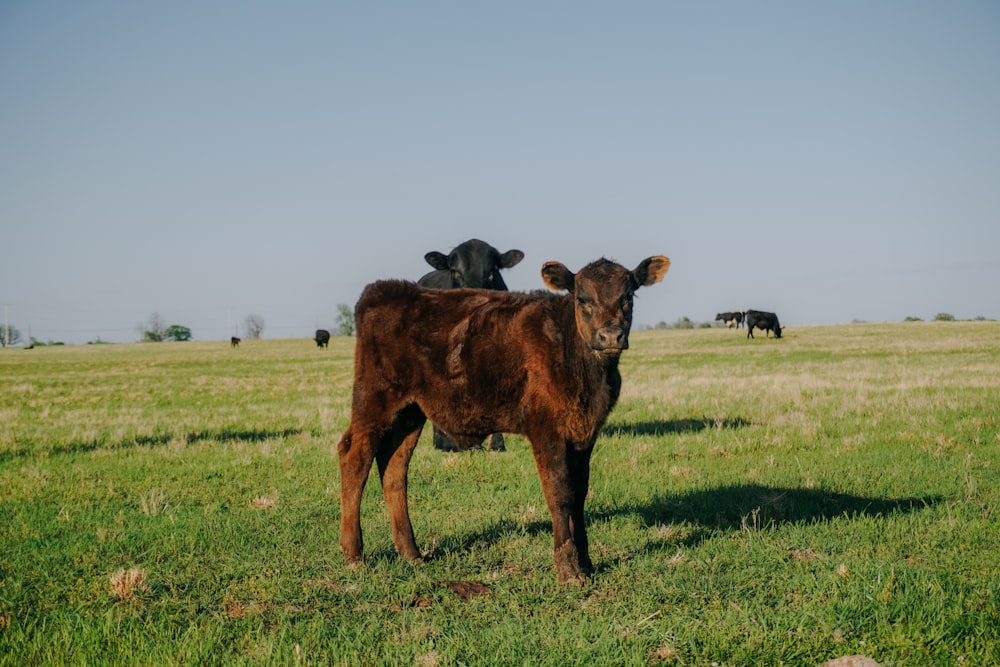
{"type": "Point", "coordinates": [176, 332]}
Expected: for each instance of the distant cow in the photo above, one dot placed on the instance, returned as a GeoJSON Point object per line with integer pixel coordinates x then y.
{"type": "Point", "coordinates": [473, 263]}
{"type": "Point", "coordinates": [539, 364]}
{"type": "Point", "coordinates": [731, 319]}
{"type": "Point", "coordinates": [762, 320]}
{"type": "Point", "coordinates": [322, 338]}
{"type": "Point", "coordinates": [234, 341]}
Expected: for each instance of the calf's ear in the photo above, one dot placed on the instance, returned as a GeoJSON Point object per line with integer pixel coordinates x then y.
{"type": "Point", "coordinates": [651, 270]}
{"type": "Point", "coordinates": [557, 276]}
{"type": "Point", "coordinates": [511, 258]}
{"type": "Point", "coordinates": [437, 260]}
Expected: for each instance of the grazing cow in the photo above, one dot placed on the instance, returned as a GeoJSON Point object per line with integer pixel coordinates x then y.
{"type": "Point", "coordinates": [539, 364]}
{"type": "Point", "coordinates": [734, 318]}
{"type": "Point", "coordinates": [477, 264]}
{"type": "Point", "coordinates": [322, 338]}
{"type": "Point", "coordinates": [762, 320]}
{"type": "Point", "coordinates": [234, 341]}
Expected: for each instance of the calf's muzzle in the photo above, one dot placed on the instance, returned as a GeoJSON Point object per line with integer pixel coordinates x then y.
{"type": "Point", "coordinates": [609, 340]}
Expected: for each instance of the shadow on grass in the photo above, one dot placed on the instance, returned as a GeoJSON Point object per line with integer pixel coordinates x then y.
{"type": "Point", "coordinates": [751, 507]}
{"type": "Point", "coordinates": [728, 507]}
{"type": "Point", "coordinates": [673, 427]}
{"type": "Point", "coordinates": [701, 514]}
{"type": "Point", "coordinates": [710, 511]}
{"type": "Point", "coordinates": [157, 440]}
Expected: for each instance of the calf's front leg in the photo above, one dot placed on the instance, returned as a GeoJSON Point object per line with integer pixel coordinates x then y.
{"type": "Point", "coordinates": [578, 463]}
{"type": "Point", "coordinates": [558, 489]}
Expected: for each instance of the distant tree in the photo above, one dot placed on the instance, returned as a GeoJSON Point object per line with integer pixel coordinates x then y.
{"type": "Point", "coordinates": [345, 320]}
{"type": "Point", "coordinates": [254, 325]}
{"type": "Point", "coordinates": [153, 330]}
{"type": "Point", "coordinates": [177, 333]}
{"type": "Point", "coordinates": [912, 318]}
{"type": "Point", "coordinates": [684, 323]}
{"type": "Point", "coordinates": [944, 317]}
{"type": "Point", "coordinates": [9, 335]}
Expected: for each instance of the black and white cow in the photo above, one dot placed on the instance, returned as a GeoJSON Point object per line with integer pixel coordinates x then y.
{"type": "Point", "coordinates": [762, 320]}
{"type": "Point", "coordinates": [475, 264]}
{"type": "Point", "coordinates": [731, 319]}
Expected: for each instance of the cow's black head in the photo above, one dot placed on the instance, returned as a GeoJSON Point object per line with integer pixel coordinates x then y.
{"type": "Point", "coordinates": [603, 292]}
{"type": "Point", "coordinates": [475, 263]}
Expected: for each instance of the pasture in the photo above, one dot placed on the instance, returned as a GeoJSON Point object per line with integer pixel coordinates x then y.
{"type": "Point", "coordinates": [778, 502]}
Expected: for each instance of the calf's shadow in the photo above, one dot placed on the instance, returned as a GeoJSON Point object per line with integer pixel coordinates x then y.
{"type": "Point", "coordinates": [721, 509]}
{"type": "Point", "coordinates": [726, 508]}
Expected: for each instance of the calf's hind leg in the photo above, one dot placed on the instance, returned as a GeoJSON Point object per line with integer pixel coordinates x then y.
{"type": "Point", "coordinates": [355, 454]}
{"type": "Point", "coordinates": [393, 455]}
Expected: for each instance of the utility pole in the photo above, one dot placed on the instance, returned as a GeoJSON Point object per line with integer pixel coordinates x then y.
{"type": "Point", "coordinates": [6, 327]}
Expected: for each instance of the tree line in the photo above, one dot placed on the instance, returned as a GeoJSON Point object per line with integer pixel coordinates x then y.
{"type": "Point", "coordinates": [156, 330]}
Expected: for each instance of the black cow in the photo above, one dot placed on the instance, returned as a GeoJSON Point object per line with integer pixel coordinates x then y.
{"type": "Point", "coordinates": [734, 318]}
{"type": "Point", "coordinates": [322, 338]}
{"type": "Point", "coordinates": [475, 264]}
{"type": "Point", "coordinates": [234, 341]}
{"type": "Point", "coordinates": [762, 320]}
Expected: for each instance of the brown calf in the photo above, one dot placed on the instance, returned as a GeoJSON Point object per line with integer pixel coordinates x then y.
{"type": "Point", "coordinates": [478, 362]}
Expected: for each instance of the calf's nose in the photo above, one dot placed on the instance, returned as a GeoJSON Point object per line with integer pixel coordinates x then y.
{"type": "Point", "coordinates": [610, 338]}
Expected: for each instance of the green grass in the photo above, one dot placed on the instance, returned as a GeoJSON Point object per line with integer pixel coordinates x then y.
{"type": "Point", "coordinates": [753, 502]}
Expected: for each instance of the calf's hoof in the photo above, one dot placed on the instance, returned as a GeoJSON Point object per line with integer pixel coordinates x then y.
{"type": "Point", "coordinates": [416, 560]}
{"type": "Point", "coordinates": [567, 579]}
{"type": "Point", "coordinates": [568, 566]}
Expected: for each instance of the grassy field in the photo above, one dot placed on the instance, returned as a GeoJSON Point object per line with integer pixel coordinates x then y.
{"type": "Point", "coordinates": [765, 502]}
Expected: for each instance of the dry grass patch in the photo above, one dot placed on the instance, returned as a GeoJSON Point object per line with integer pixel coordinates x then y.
{"type": "Point", "coordinates": [264, 502]}
{"type": "Point", "coordinates": [129, 584]}
{"type": "Point", "coordinates": [153, 502]}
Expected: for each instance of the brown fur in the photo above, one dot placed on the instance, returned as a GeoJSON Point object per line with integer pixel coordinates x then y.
{"type": "Point", "coordinates": [477, 362]}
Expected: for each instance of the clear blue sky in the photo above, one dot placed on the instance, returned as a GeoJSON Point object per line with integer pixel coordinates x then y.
{"type": "Point", "coordinates": [830, 161]}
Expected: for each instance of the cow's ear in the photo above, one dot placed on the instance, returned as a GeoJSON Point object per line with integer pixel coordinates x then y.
{"type": "Point", "coordinates": [511, 258]}
{"type": "Point", "coordinates": [557, 276]}
{"type": "Point", "coordinates": [651, 270]}
{"type": "Point", "coordinates": [437, 260]}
